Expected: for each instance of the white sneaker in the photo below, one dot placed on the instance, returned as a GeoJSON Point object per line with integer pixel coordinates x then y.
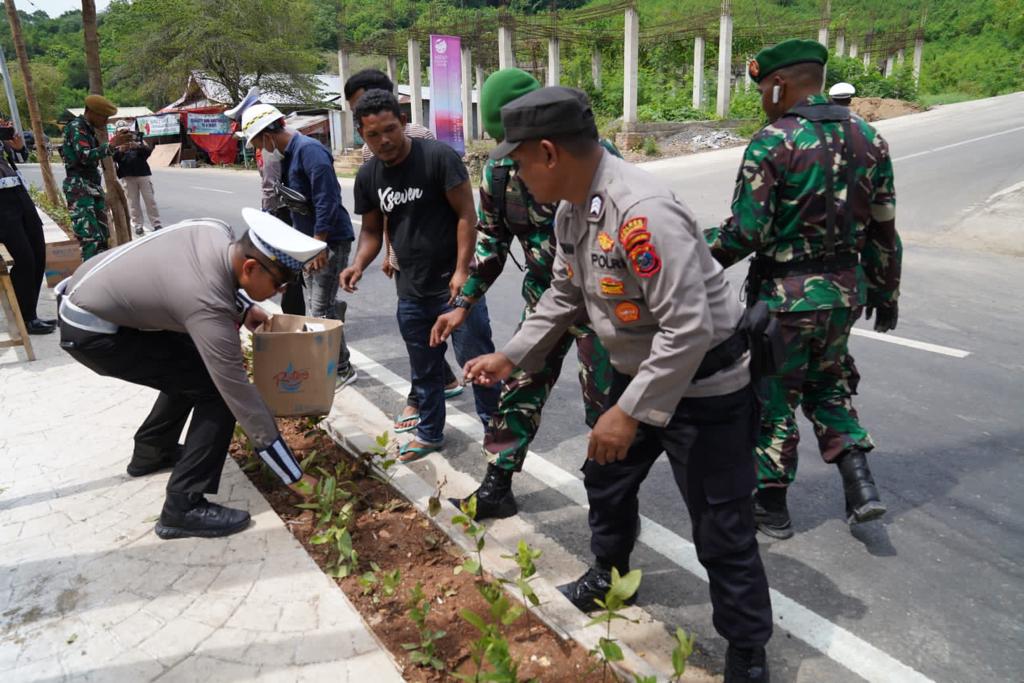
{"type": "Point", "coordinates": [345, 377]}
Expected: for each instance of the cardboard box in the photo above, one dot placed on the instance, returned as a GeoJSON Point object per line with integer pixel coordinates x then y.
{"type": "Point", "coordinates": [62, 258]}
{"type": "Point", "coordinates": [295, 361]}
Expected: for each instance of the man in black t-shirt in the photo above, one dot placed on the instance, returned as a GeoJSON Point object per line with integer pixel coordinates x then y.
{"type": "Point", "coordinates": [423, 189]}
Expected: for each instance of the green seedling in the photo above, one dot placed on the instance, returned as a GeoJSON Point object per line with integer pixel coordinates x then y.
{"type": "Point", "coordinates": [474, 531]}
{"type": "Point", "coordinates": [622, 589]}
{"type": "Point", "coordinates": [423, 653]}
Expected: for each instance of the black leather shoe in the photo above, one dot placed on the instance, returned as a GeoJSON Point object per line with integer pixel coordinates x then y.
{"type": "Point", "coordinates": [771, 514]}
{"type": "Point", "coordinates": [862, 500]}
{"type": "Point", "coordinates": [37, 326]}
{"type": "Point", "coordinates": [746, 665]}
{"type": "Point", "coordinates": [494, 498]}
{"type": "Point", "coordinates": [595, 583]}
{"type": "Point", "coordinates": [203, 518]}
{"type": "Point", "coordinates": [142, 464]}
{"type": "Point", "coordinates": [48, 321]}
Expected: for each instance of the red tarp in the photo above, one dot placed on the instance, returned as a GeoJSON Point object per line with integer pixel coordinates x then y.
{"type": "Point", "coordinates": [222, 148]}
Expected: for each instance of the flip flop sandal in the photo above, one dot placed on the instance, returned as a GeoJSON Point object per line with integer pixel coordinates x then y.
{"type": "Point", "coordinates": [408, 454]}
{"type": "Point", "coordinates": [400, 419]}
{"type": "Point", "coordinates": [454, 391]}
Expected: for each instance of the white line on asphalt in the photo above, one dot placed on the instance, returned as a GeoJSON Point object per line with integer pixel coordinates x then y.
{"type": "Point", "coordinates": [210, 189]}
{"type": "Point", "coordinates": [832, 640]}
{"type": "Point", "coordinates": [958, 144]}
{"type": "Point", "coordinates": [912, 343]}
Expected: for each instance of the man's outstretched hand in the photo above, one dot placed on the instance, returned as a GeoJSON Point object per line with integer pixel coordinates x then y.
{"type": "Point", "coordinates": [488, 370]}
{"type": "Point", "coordinates": [350, 277]}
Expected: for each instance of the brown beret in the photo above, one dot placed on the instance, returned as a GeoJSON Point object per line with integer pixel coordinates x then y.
{"type": "Point", "coordinates": [101, 105]}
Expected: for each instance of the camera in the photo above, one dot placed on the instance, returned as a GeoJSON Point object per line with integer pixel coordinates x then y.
{"type": "Point", "coordinates": [6, 132]}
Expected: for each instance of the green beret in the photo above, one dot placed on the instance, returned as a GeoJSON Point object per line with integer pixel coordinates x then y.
{"type": "Point", "coordinates": [101, 105]}
{"type": "Point", "coordinates": [500, 88]}
{"type": "Point", "coordinates": [786, 53]}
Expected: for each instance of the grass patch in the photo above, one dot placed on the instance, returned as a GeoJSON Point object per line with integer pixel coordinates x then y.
{"type": "Point", "coordinates": [933, 99]}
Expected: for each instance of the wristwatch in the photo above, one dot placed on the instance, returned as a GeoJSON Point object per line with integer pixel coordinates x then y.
{"type": "Point", "coordinates": [462, 302]}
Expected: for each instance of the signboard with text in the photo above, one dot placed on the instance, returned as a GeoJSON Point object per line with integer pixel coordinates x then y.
{"type": "Point", "coordinates": [446, 91]}
{"type": "Point", "coordinates": [208, 124]}
{"type": "Point", "coordinates": [155, 126]}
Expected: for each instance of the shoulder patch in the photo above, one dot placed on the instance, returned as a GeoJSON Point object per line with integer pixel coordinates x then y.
{"type": "Point", "coordinates": [605, 241]}
{"type": "Point", "coordinates": [596, 208]}
{"type": "Point", "coordinates": [646, 261]}
{"type": "Point", "coordinates": [633, 232]}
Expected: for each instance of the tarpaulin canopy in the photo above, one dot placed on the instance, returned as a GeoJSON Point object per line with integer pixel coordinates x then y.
{"type": "Point", "coordinates": [222, 148]}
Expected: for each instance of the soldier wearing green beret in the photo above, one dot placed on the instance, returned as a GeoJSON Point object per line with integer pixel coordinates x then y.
{"type": "Point", "coordinates": [814, 203]}
{"type": "Point", "coordinates": [83, 190]}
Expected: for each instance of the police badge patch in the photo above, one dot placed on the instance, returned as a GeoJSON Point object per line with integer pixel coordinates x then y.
{"type": "Point", "coordinates": [627, 312]}
{"type": "Point", "coordinates": [646, 261]}
{"type": "Point", "coordinates": [605, 241]}
{"type": "Point", "coordinates": [612, 286]}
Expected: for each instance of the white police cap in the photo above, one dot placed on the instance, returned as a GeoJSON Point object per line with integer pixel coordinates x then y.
{"type": "Point", "coordinates": [842, 91]}
{"type": "Point", "coordinates": [279, 241]}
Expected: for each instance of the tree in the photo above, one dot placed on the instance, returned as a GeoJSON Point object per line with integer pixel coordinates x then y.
{"type": "Point", "coordinates": [116, 200]}
{"type": "Point", "coordinates": [47, 81]}
{"type": "Point", "coordinates": [235, 44]}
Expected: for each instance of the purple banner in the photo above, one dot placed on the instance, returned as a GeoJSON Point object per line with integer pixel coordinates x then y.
{"type": "Point", "coordinates": [446, 91]}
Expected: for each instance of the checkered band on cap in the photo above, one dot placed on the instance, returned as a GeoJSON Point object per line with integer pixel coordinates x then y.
{"type": "Point", "coordinates": [275, 254]}
{"type": "Point", "coordinates": [274, 114]}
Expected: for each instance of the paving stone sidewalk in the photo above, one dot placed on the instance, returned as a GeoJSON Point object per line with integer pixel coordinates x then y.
{"type": "Point", "coordinates": [89, 593]}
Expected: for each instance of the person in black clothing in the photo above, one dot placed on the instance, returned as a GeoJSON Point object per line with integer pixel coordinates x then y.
{"type": "Point", "coordinates": [21, 231]}
{"type": "Point", "coordinates": [134, 172]}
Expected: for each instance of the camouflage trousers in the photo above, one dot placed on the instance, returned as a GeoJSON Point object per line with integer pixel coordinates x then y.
{"type": "Point", "coordinates": [88, 209]}
{"type": "Point", "coordinates": [818, 375]}
{"type": "Point", "coordinates": [517, 419]}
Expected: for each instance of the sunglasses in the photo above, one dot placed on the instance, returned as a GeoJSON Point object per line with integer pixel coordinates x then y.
{"type": "Point", "coordinates": [279, 284]}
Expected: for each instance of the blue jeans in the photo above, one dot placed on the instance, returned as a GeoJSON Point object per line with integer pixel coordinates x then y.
{"type": "Point", "coordinates": [472, 339]}
{"type": "Point", "coordinates": [322, 289]}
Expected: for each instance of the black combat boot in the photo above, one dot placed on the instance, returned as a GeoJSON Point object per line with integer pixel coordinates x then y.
{"type": "Point", "coordinates": [595, 583]}
{"type": "Point", "coordinates": [746, 665]}
{"type": "Point", "coordinates": [147, 459]}
{"type": "Point", "coordinates": [862, 500]}
{"type": "Point", "coordinates": [771, 513]}
{"type": "Point", "coordinates": [494, 499]}
{"type": "Point", "coordinates": [190, 514]}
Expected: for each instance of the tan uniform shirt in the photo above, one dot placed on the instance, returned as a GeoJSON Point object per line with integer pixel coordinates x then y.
{"type": "Point", "coordinates": [180, 279]}
{"type": "Point", "coordinates": [634, 258]}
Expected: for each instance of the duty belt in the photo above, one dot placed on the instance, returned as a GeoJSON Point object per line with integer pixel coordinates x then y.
{"type": "Point", "coordinates": [769, 268]}
{"type": "Point", "coordinates": [723, 355]}
{"type": "Point", "coordinates": [78, 317]}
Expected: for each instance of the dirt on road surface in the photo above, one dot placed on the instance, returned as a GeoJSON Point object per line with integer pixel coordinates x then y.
{"type": "Point", "coordinates": [879, 108]}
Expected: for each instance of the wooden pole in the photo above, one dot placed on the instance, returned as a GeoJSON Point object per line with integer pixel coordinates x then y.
{"type": "Point", "coordinates": [116, 199]}
{"type": "Point", "coordinates": [49, 184]}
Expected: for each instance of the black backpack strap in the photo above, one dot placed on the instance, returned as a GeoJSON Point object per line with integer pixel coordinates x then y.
{"type": "Point", "coordinates": [499, 187]}
{"type": "Point", "coordinates": [851, 177]}
{"type": "Point", "coordinates": [830, 193]}
{"type": "Point", "coordinates": [820, 112]}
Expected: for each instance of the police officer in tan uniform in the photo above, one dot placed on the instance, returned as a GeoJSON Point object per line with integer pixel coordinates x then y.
{"type": "Point", "coordinates": [631, 257]}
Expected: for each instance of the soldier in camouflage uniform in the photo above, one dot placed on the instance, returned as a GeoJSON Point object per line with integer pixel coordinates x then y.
{"type": "Point", "coordinates": [508, 212]}
{"type": "Point", "coordinates": [83, 190]}
{"type": "Point", "coordinates": [821, 224]}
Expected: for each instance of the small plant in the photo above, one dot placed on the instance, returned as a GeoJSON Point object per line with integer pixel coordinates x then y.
{"type": "Point", "coordinates": [492, 645]}
{"type": "Point", "coordinates": [336, 535]}
{"type": "Point", "coordinates": [650, 146]}
{"type": "Point", "coordinates": [681, 653]}
{"type": "Point", "coordinates": [388, 582]}
{"type": "Point", "coordinates": [474, 531]}
{"type": "Point", "coordinates": [524, 558]}
{"type": "Point", "coordinates": [423, 653]}
{"type": "Point", "coordinates": [383, 460]}
{"type": "Point", "coordinates": [326, 496]}
{"type": "Point", "coordinates": [623, 588]}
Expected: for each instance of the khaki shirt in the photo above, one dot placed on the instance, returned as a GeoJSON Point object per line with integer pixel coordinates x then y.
{"type": "Point", "coordinates": [634, 259]}
{"type": "Point", "coordinates": [180, 279]}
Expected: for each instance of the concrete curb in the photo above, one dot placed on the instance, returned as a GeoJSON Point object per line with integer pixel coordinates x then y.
{"type": "Point", "coordinates": [355, 435]}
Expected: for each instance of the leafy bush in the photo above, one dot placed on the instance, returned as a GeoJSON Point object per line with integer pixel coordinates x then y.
{"type": "Point", "coordinates": [869, 81]}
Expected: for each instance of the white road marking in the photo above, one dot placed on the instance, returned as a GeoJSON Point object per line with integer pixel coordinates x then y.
{"type": "Point", "coordinates": [210, 189]}
{"type": "Point", "coordinates": [912, 343]}
{"type": "Point", "coordinates": [958, 144]}
{"type": "Point", "coordinates": [830, 639]}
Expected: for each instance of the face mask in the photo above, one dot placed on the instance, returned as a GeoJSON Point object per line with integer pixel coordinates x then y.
{"type": "Point", "coordinates": [273, 155]}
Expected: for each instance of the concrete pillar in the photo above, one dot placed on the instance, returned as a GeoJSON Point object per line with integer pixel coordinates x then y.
{"type": "Point", "coordinates": [918, 50]}
{"type": "Point", "coordinates": [823, 35]}
{"type": "Point", "coordinates": [479, 111]}
{"type": "Point", "coordinates": [901, 57]}
{"type": "Point", "coordinates": [467, 94]}
{"type": "Point", "coordinates": [853, 50]}
{"type": "Point", "coordinates": [698, 72]}
{"type": "Point", "coordinates": [554, 61]}
{"type": "Point", "coordinates": [630, 66]}
{"type": "Point", "coordinates": [889, 66]}
{"type": "Point", "coordinates": [841, 43]}
{"type": "Point", "coordinates": [415, 94]}
{"type": "Point", "coordinates": [393, 70]}
{"type": "Point", "coordinates": [738, 85]}
{"type": "Point", "coordinates": [724, 61]}
{"type": "Point", "coordinates": [748, 82]}
{"type": "Point", "coordinates": [506, 57]}
{"type": "Point", "coordinates": [595, 67]}
{"type": "Point", "coordinates": [347, 126]}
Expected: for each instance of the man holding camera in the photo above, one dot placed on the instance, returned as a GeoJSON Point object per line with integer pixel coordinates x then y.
{"type": "Point", "coordinates": [83, 189]}
{"type": "Point", "coordinates": [134, 172]}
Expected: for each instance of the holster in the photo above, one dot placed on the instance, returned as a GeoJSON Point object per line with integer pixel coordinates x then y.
{"type": "Point", "coordinates": [765, 339]}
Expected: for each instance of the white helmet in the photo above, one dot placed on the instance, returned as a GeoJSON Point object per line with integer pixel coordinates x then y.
{"type": "Point", "coordinates": [256, 118]}
{"type": "Point", "coordinates": [842, 91]}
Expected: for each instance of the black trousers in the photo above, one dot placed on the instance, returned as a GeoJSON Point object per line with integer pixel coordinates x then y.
{"type": "Point", "coordinates": [170, 363]}
{"type": "Point", "coordinates": [710, 446]}
{"type": "Point", "coordinates": [21, 231]}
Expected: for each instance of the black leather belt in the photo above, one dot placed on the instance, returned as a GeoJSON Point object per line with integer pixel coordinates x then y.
{"type": "Point", "coordinates": [723, 355]}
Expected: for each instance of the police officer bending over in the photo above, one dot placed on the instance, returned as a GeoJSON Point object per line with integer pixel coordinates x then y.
{"type": "Point", "coordinates": [630, 256]}
{"type": "Point", "coordinates": [179, 335]}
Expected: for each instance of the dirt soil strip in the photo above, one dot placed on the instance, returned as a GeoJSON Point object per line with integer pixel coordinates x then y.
{"type": "Point", "coordinates": [389, 532]}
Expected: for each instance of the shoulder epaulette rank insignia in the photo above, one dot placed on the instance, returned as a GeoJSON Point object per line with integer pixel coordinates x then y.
{"type": "Point", "coordinates": [596, 208]}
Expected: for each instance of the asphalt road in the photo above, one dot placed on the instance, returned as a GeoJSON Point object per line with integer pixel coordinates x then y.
{"type": "Point", "coordinates": [934, 590]}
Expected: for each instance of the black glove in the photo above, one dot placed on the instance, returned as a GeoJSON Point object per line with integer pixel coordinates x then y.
{"type": "Point", "coordinates": [886, 318]}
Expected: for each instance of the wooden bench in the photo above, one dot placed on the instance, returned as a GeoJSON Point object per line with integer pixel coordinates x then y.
{"type": "Point", "coordinates": [12, 313]}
